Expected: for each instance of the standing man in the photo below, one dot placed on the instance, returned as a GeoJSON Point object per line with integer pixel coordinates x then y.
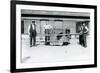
{"type": "Point", "coordinates": [32, 33]}
{"type": "Point", "coordinates": [47, 28]}
{"type": "Point", "coordinates": [83, 34]}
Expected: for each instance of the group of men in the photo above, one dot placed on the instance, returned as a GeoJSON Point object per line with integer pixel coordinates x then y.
{"type": "Point", "coordinates": [32, 34]}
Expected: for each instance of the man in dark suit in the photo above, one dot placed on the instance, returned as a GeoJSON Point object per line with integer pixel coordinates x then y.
{"type": "Point", "coordinates": [32, 33]}
{"type": "Point", "coordinates": [83, 34]}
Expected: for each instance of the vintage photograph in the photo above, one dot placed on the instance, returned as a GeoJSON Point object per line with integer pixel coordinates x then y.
{"type": "Point", "coordinates": [52, 36]}
{"type": "Point", "coordinates": [55, 36]}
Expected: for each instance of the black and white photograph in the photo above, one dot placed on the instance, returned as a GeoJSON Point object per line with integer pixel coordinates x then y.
{"type": "Point", "coordinates": [51, 36]}
{"type": "Point", "coordinates": [55, 36]}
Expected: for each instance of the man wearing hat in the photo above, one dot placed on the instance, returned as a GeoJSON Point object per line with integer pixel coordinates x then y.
{"type": "Point", "coordinates": [32, 33]}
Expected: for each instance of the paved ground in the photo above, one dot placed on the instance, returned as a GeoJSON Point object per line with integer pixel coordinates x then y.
{"type": "Point", "coordinates": [41, 53]}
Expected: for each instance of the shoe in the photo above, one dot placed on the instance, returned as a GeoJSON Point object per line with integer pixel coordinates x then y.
{"type": "Point", "coordinates": [85, 46]}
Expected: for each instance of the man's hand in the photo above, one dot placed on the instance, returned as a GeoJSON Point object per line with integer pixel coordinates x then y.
{"type": "Point", "coordinates": [80, 33]}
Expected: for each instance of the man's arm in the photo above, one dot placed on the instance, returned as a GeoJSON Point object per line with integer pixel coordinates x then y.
{"type": "Point", "coordinates": [80, 31]}
{"type": "Point", "coordinates": [86, 29]}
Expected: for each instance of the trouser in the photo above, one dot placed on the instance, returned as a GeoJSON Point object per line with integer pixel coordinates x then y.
{"type": "Point", "coordinates": [47, 40]}
{"type": "Point", "coordinates": [33, 41]}
{"type": "Point", "coordinates": [47, 37]}
{"type": "Point", "coordinates": [82, 40]}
